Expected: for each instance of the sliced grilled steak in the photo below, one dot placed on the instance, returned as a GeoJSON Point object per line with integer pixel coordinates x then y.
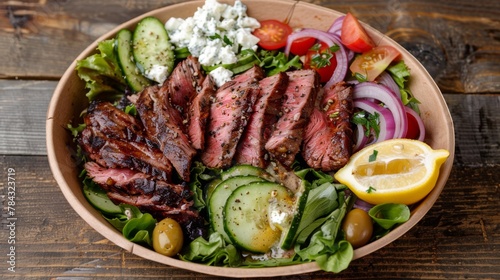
{"type": "Point", "coordinates": [328, 137]}
{"type": "Point", "coordinates": [164, 127]}
{"type": "Point", "coordinates": [265, 114]}
{"type": "Point", "coordinates": [300, 95]}
{"type": "Point", "coordinates": [117, 153]}
{"type": "Point", "coordinates": [199, 111]}
{"type": "Point", "coordinates": [229, 115]}
{"type": "Point", "coordinates": [113, 122]}
{"type": "Point", "coordinates": [137, 183]}
{"type": "Point", "coordinates": [156, 197]}
{"type": "Point", "coordinates": [184, 83]}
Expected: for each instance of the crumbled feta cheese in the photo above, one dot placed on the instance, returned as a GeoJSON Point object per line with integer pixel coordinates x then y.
{"type": "Point", "coordinates": [206, 33]}
{"type": "Point", "coordinates": [158, 73]}
{"type": "Point", "coordinates": [221, 75]}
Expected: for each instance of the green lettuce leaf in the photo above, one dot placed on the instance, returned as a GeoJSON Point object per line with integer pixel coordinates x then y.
{"type": "Point", "coordinates": [212, 252]}
{"type": "Point", "coordinates": [101, 73]}
{"type": "Point", "coordinates": [326, 247]}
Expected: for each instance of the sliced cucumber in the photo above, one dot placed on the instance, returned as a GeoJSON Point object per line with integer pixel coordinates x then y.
{"type": "Point", "coordinates": [211, 187]}
{"type": "Point", "coordinates": [151, 46]}
{"type": "Point", "coordinates": [123, 49]}
{"type": "Point", "coordinates": [246, 215]}
{"type": "Point", "coordinates": [246, 170]}
{"type": "Point", "coordinates": [288, 234]}
{"type": "Point", "coordinates": [219, 197]}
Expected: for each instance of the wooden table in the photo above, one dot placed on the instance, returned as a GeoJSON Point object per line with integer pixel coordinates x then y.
{"type": "Point", "coordinates": [458, 238]}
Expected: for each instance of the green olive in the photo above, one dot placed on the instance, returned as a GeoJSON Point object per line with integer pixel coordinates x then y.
{"type": "Point", "coordinates": [358, 227]}
{"type": "Point", "coordinates": [168, 237]}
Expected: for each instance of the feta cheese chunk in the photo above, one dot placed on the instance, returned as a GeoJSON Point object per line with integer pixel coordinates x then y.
{"type": "Point", "coordinates": [221, 75]}
{"type": "Point", "coordinates": [158, 73]}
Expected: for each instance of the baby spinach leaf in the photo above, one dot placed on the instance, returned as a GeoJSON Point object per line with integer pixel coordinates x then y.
{"type": "Point", "coordinates": [389, 214]}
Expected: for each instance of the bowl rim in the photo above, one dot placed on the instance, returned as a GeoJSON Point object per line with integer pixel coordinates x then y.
{"type": "Point", "coordinates": [114, 236]}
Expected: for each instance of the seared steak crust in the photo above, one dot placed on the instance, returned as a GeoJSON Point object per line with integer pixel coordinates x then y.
{"type": "Point", "coordinates": [184, 83]}
{"type": "Point", "coordinates": [117, 153]}
{"type": "Point", "coordinates": [300, 95]}
{"type": "Point", "coordinates": [113, 122]}
{"type": "Point", "coordinates": [328, 137]}
{"type": "Point", "coordinates": [163, 126]}
{"type": "Point", "coordinates": [115, 139]}
{"type": "Point", "coordinates": [156, 197]}
{"type": "Point", "coordinates": [265, 114]}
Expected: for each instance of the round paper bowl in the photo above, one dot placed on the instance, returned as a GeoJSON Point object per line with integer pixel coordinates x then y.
{"type": "Point", "coordinates": [69, 100]}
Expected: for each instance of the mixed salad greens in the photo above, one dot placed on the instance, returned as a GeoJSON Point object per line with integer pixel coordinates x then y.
{"type": "Point", "coordinates": [317, 213]}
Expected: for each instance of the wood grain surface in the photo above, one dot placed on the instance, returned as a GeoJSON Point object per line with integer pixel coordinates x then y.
{"type": "Point", "coordinates": [457, 41]}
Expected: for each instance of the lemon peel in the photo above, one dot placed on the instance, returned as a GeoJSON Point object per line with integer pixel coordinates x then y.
{"type": "Point", "coordinates": [393, 171]}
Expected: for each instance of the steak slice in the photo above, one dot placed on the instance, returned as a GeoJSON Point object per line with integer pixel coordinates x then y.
{"type": "Point", "coordinates": [328, 137]}
{"type": "Point", "coordinates": [184, 83]}
{"type": "Point", "coordinates": [199, 111]}
{"type": "Point", "coordinates": [156, 197]}
{"type": "Point", "coordinates": [229, 115]}
{"type": "Point", "coordinates": [163, 126]}
{"type": "Point", "coordinates": [300, 95]}
{"type": "Point", "coordinates": [265, 115]}
{"type": "Point", "coordinates": [113, 122]}
{"type": "Point", "coordinates": [117, 153]}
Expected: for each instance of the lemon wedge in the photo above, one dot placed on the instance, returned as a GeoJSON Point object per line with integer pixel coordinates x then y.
{"type": "Point", "coordinates": [393, 171]}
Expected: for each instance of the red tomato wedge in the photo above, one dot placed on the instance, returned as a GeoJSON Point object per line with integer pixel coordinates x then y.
{"type": "Point", "coordinates": [322, 59]}
{"type": "Point", "coordinates": [354, 36]}
{"type": "Point", "coordinates": [301, 46]}
{"type": "Point", "coordinates": [373, 62]}
{"type": "Point", "coordinates": [272, 34]}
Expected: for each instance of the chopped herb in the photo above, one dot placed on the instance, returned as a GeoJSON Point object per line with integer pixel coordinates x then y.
{"type": "Point", "coordinates": [334, 115]}
{"type": "Point", "coordinates": [131, 110]}
{"type": "Point", "coordinates": [368, 121]}
{"type": "Point", "coordinates": [315, 47]}
{"type": "Point", "coordinates": [373, 157]}
{"type": "Point", "coordinates": [371, 189]}
{"type": "Point", "coordinates": [322, 57]}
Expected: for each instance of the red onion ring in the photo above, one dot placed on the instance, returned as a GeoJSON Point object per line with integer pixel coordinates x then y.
{"type": "Point", "coordinates": [336, 27]}
{"type": "Point", "coordinates": [385, 79]}
{"type": "Point", "coordinates": [363, 205]}
{"type": "Point", "coordinates": [371, 90]}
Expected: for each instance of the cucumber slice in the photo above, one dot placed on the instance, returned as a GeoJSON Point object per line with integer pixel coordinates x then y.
{"type": "Point", "coordinates": [246, 215]}
{"type": "Point", "coordinates": [219, 197]}
{"type": "Point", "coordinates": [123, 49]}
{"type": "Point", "coordinates": [246, 170]}
{"type": "Point", "coordinates": [210, 188]}
{"type": "Point", "coordinates": [152, 47]}
{"type": "Point", "coordinates": [288, 235]}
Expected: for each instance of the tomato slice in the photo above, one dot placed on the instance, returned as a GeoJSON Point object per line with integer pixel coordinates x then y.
{"type": "Point", "coordinates": [354, 36]}
{"type": "Point", "coordinates": [371, 63]}
{"type": "Point", "coordinates": [301, 46]}
{"type": "Point", "coordinates": [413, 130]}
{"type": "Point", "coordinates": [322, 59]}
{"type": "Point", "coordinates": [272, 34]}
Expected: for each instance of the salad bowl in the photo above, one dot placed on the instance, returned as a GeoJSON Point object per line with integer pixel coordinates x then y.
{"type": "Point", "coordinates": [69, 100]}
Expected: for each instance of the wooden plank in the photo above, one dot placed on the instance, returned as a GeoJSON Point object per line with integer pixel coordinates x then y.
{"type": "Point", "coordinates": [461, 56]}
{"type": "Point", "coordinates": [477, 128]}
{"type": "Point", "coordinates": [458, 238]}
{"type": "Point", "coordinates": [23, 107]}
